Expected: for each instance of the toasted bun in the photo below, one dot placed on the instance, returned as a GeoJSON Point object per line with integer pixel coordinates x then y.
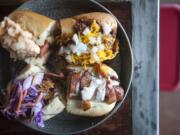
{"type": "Point", "coordinates": [97, 108]}
{"type": "Point", "coordinates": [67, 24]}
{"type": "Point", "coordinates": [54, 107]}
{"type": "Point", "coordinates": [30, 70]}
{"type": "Point", "coordinates": [100, 17]}
{"type": "Point", "coordinates": [23, 33]}
{"type": "Point", "coordinates": [105, 24]}
{"type": "Point", "coordinates": [31, 21]}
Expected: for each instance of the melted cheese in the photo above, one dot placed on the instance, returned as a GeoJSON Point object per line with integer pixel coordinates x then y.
{"type": "Point", "coordinates": [95, 28]}
{"type": "Point", "coordinates": [100, 95]}
{"type": "Point", "coordinates": [90, 46]}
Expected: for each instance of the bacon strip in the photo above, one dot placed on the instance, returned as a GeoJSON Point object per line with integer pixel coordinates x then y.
{"type": "Point", "coordinates": [110, 95]}
{"type": "Point", "coordinates": [85, 80]}
{"type": "Point", "coordinates": [119, 92]}
{"type": "Point", "coordinates": [114, 93]}
{"type": "Point", "coordinates": [73, 79]}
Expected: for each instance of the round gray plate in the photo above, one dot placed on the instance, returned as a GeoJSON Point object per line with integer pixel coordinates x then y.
{"type": "Point", "coordinates": [65, 123]}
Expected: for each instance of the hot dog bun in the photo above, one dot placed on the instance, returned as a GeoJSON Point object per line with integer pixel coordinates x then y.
{"type": "Point", "coordinates": [31, 21]}
{"type": "Point", "coordinates": [88, 38]}
{"type": "Point", "coordinates": [24, 33]}
{"type": "Point", "coordinates": [98, 108]}
{"type": "Point", "coordinates": [67, 24]}
{"type": "Point", "coordinates": [54, 105]}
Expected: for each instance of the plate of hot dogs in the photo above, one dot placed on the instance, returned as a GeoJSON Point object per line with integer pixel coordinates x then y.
{"type": "Point", "coordinates": [76, 65]}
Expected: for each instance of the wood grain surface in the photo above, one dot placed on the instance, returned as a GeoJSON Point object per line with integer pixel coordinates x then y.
{"type": "Point", "coordinates": [121, 122]}
{"type": "Point", "coordinates": [145, 84]}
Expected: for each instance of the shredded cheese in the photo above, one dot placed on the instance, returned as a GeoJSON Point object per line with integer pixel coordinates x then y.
{"type": "Point", "coordinates": [91, 46]}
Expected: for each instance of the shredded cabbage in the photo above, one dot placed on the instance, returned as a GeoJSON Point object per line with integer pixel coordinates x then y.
{"type": "Point", "coordinates": [21, 102]}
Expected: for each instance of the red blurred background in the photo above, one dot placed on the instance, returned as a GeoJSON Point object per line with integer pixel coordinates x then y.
{"type": "Point", "coordinates": [169, 67]}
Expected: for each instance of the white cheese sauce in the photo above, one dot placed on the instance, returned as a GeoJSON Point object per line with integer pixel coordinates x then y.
{"type": "Point", "coordinates": [101, 92]}
{"type": "Point", "coordinates": [96, 84]}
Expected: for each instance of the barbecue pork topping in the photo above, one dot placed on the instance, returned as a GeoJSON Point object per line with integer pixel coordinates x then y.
{"type": "Point", "coordinates": [88, 87]}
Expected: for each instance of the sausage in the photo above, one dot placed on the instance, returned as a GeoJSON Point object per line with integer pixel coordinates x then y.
{"type": "Point", "coordinates": [85, 80]}
{"type": "Point", "coordinates": [119, 92]}
{"type": "Point", "coordinates": [72, 80]}
{"type": "Point", "coordinates": [113, 93]}
{"type": "Point", "coordinates": [115, 47]}
{"type": "Point", "coordinates": [110, 95]}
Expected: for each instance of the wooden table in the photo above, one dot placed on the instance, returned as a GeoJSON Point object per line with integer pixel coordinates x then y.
{"type": "Point", "coordinates": [132, 117]}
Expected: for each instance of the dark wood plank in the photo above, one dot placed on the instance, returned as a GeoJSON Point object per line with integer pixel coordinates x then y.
{"type": "Point", "coordinates": [121, 121]}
